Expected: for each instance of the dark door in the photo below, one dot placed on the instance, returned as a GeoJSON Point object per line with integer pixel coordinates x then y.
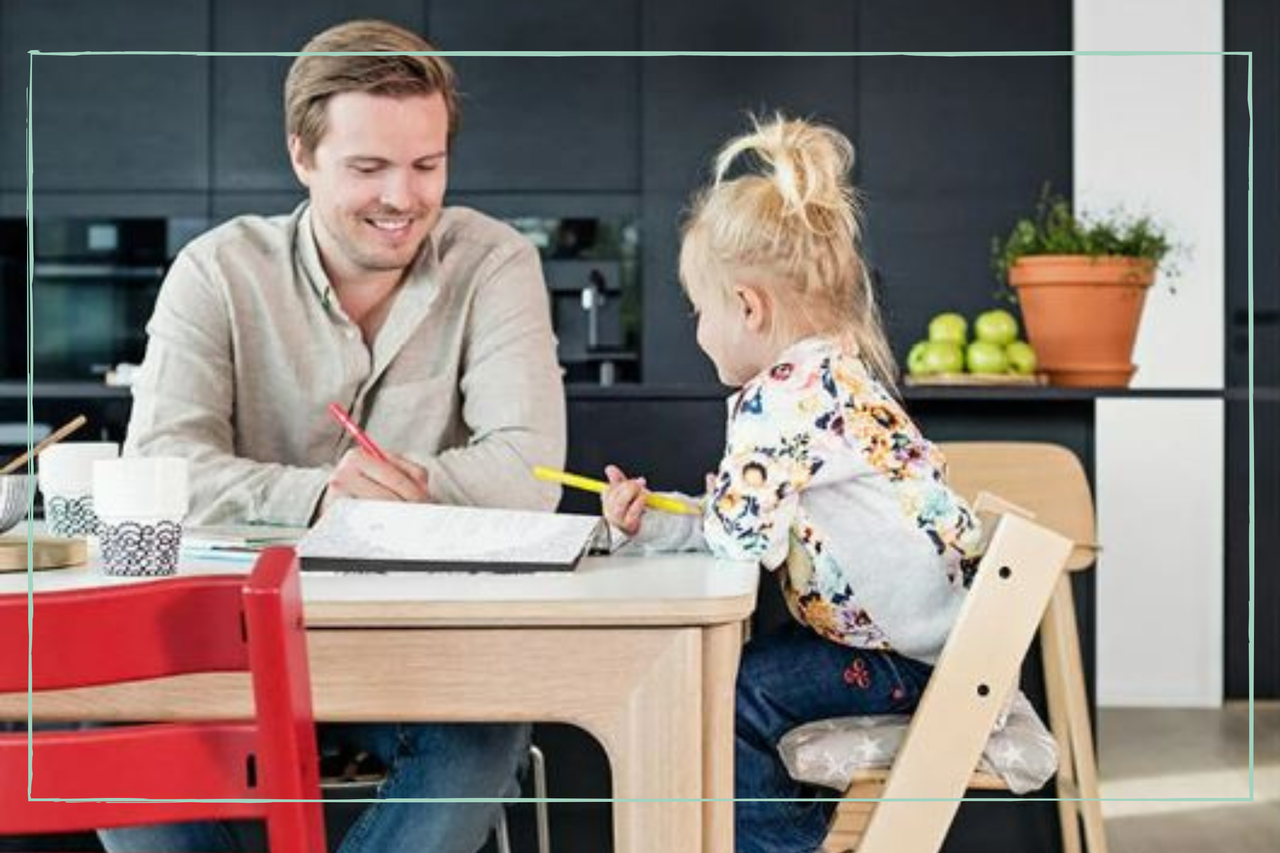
{"type": "Point", "coordinates": [105, 123]}
{"type": "Point", "coordinates": [1253, 25]}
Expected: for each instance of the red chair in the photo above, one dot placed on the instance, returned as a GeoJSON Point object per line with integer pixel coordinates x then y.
{"type": "Point", "coordinates": [155, 629]}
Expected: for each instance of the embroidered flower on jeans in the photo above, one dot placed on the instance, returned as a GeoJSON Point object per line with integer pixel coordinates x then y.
{"type": "Point", "coordinates": [856, 673]}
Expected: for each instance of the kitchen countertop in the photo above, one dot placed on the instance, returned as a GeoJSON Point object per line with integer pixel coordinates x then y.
{"type": "Point", "coordinates": [644, 391]}
{"type": "Point", "coordinates": [917, 392]}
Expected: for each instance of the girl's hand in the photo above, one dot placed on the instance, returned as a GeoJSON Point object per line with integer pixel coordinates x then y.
{"type": "Point", "coordinates": [623, 502]}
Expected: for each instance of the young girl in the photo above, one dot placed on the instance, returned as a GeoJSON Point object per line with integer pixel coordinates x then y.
{"type": "Point", "coordinates": [825, 481]}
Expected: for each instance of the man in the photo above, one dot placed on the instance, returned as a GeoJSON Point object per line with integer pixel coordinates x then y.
{"type": "Point", "coordinates": [429, 324]}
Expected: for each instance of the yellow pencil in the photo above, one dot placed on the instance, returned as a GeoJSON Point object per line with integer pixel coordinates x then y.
{"type": "Point", "coordinates": [659, 502]}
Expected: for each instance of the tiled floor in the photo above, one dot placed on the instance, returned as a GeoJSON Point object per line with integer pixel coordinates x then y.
{"type": "Point", "coordinates": [1180, 756]}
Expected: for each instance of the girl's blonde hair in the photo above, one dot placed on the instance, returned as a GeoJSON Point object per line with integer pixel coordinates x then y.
{"type": "Point", "coordinates": [793, 228]}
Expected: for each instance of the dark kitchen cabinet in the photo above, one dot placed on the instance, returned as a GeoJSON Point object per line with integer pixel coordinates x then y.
{"type": "Point", "coordinates": [550, 125]}
{"type": "Point", "coordinates": [102, 123]}
{"type": "Point", "coordinates": [692, 105]}
{"type": "Point", "coordinates": [669, 351]}
{"type": "Point", "coordinates": [952, 149]}
{"type": "Point", "coordinates": [249, 150]}
{"type": "Point", "coordinates": [941, 164]}
{"type": "Point", "coordinates": [546, 124]}
{"type": "Point", "coordinates": [1253, 354]}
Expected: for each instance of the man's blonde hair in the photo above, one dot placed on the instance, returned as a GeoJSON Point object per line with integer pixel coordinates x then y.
{"type": "Point", "coordinates": [792, 226]}
{"type": "Point", "coordinates": [313, 80]}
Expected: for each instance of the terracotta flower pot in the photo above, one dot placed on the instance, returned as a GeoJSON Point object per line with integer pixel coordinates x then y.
{"type": "Point", "coordinates": [1082, 314]}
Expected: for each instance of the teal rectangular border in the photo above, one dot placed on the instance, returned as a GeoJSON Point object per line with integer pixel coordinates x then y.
{"type": "Point", "coordinates": [650, 53]}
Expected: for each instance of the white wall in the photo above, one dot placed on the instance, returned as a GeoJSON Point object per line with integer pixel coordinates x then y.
{"type": "Point", "coordinates": [1160, 522]}
{"type": "Point", "coordinates": [1149, 137]}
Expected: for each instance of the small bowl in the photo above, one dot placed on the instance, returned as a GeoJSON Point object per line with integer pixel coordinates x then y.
{"type": "Point", "coordinates": [15, 493]}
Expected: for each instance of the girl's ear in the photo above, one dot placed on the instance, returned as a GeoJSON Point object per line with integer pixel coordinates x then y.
{"type": "Point", "coordinates": [754, 307]}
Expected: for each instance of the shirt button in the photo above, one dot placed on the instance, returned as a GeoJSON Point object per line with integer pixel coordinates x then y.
{"type": "Point", "coordinates": [352, 334]}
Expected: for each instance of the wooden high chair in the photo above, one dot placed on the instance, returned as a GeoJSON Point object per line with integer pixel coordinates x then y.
{"type": "Point", "coordinates": [985, 648]}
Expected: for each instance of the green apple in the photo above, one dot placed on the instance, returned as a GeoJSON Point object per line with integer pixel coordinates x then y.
{"type": "Point", "coordinates": [949, 327]}
{"type": "Point", "coordinates": [942, 357]}
{"type": "Point", "coordinates": [986, 357]}
{"type": "Point", "coordinates": [1022, 358]}
{"type": "Point", "coordinates": [915, 359]}
{"type": "Point", "coordinates": [997, 327]}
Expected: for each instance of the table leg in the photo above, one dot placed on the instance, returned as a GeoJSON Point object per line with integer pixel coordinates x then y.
{"type": "Point", "coordinates": [654, 744]}
{"type": "Point", "coordinates": [1068, 672]}
{"type": "Point", "coordinates": [721, 649]}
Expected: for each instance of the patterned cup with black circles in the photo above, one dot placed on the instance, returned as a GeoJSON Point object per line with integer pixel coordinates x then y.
{"type": "Point", "coordinates": [65, 474]}
{"type": "Point", "coordinates": [140, 503]}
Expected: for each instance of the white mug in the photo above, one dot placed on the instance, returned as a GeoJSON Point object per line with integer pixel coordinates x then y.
{"type": "Point", "coordinates": [65, 475]}
{"type": "Point", "coordinates": [140, 502]}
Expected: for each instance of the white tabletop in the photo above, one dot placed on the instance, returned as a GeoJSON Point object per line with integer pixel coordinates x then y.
{"type": "Point", "coordinates": [642, 590]}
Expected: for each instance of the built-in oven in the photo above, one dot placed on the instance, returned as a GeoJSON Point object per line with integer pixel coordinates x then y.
{"type": "Point", "coordinates": [591, 266]}
{"type": "Point", "coordinates": [94, 285]}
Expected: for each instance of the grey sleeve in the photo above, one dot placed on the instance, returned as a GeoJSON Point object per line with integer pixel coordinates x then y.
{"type": "Point", "coordinates": [183, 403]}
{"type": "Point", "coordinates": [512, 392]}
{"type": "Point", "coordinates": [662, 532]}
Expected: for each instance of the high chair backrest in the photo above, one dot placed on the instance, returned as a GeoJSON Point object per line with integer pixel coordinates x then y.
{"type": "Point", "coordinates": [1046, 479]}
{"type": "Point", "coordinates": [155, 629]}
{"type": "Point", "coordinates": [974, 674]}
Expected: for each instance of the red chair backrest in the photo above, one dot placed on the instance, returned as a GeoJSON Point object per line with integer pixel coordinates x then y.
{"type": "Point", "coordinates": [156, 629]}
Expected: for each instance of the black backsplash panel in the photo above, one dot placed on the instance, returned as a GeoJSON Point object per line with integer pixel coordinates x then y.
{"type": "Point", "coordinates": [1253, 25]}
{"type": "Point", "coordinates": [950, 149]}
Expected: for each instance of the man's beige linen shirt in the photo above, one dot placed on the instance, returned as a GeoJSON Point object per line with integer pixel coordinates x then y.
{"type": "Point", "coordinates": [248, 346]}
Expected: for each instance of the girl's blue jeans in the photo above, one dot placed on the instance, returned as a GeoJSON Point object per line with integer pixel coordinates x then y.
{"type": "Point", "coordinates": [786, 679]}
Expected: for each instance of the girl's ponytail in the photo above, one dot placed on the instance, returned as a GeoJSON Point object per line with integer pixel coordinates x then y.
{"type": "Point", "coordinates": [794, 215]}
{"type": "Point", "coordinates": [808, 166]}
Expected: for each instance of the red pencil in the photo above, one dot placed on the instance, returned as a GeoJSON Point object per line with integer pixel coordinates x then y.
{"type": "Point", "coordinates": [366, 443]}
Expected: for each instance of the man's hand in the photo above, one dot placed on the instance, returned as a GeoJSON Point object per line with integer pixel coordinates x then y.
{"type": "Point", "coordinates": [359, 475]}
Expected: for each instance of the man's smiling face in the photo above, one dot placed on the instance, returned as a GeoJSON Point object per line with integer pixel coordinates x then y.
{"type": "Point", "coordinates": [377, 179]}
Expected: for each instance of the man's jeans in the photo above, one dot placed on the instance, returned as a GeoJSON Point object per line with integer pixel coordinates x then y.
{"type": "Point", "coordinates": [453, 761]}
{"type": "Point", "coordinates": [786, 679]}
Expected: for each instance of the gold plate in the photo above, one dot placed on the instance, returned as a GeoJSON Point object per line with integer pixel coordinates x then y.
{"type": "Point", "coordinates": [46, 553]}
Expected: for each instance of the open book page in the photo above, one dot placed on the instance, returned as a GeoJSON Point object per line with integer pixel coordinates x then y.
{"type": "Point", "coordinates": [408, 536]}
{"type": "Point", "coordinates": [248, 536]}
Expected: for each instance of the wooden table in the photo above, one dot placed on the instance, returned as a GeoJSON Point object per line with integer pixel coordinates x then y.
{"type": "Point", "coordinates": [639, 652]}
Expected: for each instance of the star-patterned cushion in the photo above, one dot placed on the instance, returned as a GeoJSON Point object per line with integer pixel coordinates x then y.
{"type": "Point", "coordinates": [1022, 752]}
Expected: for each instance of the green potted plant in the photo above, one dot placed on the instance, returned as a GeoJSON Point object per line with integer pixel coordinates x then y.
{"type": "Point", "coordinates": [1081, 282]}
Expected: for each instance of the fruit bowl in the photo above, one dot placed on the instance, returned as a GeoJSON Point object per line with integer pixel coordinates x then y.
{"type": "Point", "coordinates": [994, 357]}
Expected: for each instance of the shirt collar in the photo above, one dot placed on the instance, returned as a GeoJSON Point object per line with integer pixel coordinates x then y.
{"type": "Point", "coordinates": [807, 349]}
